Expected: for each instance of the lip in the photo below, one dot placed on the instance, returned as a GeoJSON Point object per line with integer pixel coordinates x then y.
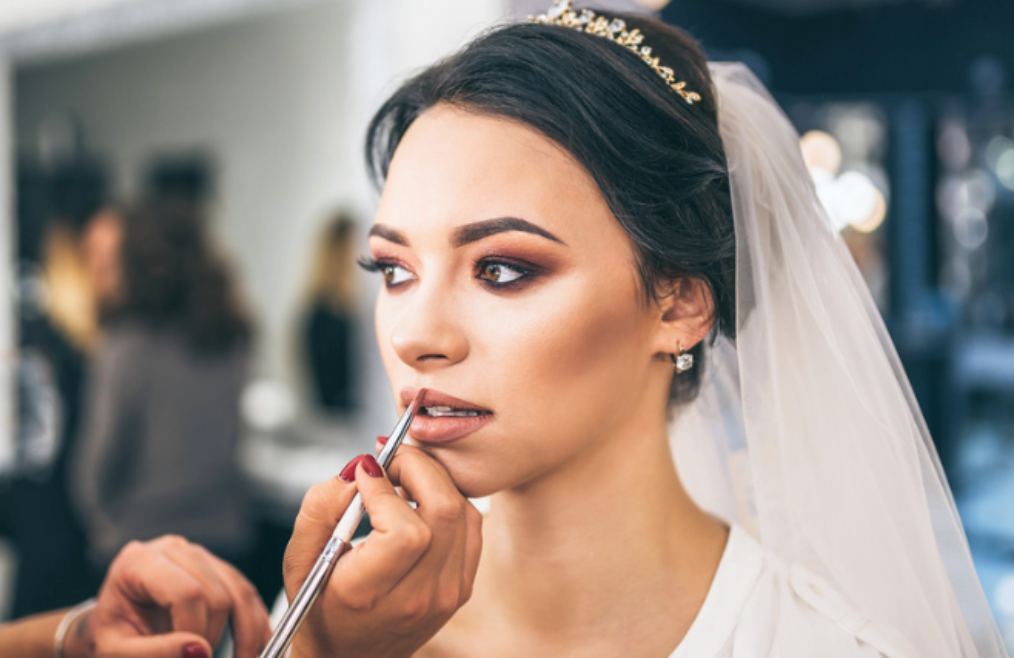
{"type": "Point", "coordinates": [443, 430]}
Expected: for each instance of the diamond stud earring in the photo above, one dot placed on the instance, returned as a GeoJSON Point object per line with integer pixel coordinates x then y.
{"type": "Point", "coordinates": [683, 361]}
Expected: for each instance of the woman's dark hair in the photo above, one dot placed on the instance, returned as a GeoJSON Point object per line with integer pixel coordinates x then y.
{"type": "Point", "coordinates": [658, 161]}
{"type": "Point", "coordinates": [172, 277]}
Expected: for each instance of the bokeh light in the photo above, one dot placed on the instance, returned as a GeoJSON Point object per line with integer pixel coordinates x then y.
{"type": "Point", "coordinates": [1005, 169]}
{"type": "Point", "coordinates": [821, 151]}
{"type": "Point", "coordinates": [971, 228]}
{"type": "Point", "coordinates": [953, 146]}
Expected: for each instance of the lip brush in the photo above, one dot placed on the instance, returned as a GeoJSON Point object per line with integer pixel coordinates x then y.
{"type": "Point", "coordinates": [339, 542]}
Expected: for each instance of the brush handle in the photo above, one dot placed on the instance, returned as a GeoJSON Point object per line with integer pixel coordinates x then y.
{"type": "Point", "coordinates": [307, 594]}
{"type": "Point", "coordinates": [341, 539]}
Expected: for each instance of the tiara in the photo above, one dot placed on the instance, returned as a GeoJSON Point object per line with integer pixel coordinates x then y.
{"type": "Point", "coordinates": [562, 14]}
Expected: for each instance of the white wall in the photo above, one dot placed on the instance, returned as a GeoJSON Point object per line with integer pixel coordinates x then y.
{"type": "Point", "coordinates": [281, 100]}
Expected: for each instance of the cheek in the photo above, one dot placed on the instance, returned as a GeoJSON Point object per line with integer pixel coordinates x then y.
{"type": "Point", "coordinates": [383, 324]}
{"type": "Point", "coordinates": [572, 354]}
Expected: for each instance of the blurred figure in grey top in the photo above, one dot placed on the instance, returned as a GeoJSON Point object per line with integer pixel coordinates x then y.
{"type": "Point", "coordinates": [161, 418]}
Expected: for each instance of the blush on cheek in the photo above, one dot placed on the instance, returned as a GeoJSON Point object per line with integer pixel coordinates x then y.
{"type": "Point", "coordinates": [580, 369]}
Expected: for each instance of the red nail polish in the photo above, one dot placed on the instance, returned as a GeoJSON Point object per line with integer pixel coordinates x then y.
{"type": "Point", "coordinates": [371, 466]}
{"type": "Point", "coordinates": [348, 473]}
{"type": "Point", "coordinates": [382, 440]}
{"type": "Point", "coordinates": [195, 650]}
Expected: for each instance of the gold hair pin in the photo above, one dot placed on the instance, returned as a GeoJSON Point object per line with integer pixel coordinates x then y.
{"type": "Point", "coordinates": [562, 14]}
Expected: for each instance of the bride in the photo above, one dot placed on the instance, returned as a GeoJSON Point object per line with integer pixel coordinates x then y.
{"type": "Point", "coordinates": [648, 345]}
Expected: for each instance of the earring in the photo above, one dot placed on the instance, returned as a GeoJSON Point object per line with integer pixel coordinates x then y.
{"type": "Point", "coordinates": [683, 361]}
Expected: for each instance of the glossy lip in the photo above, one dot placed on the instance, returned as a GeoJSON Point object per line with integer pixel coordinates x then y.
{"type": "Point", "coordinates": [443, 430]}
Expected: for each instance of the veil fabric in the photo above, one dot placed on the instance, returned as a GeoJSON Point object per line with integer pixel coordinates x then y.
{"type": "Point", "coordinates": [806, 431]}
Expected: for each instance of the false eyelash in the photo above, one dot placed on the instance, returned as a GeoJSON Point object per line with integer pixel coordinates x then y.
{"type": "Point", "coordinates": [528, 272]}
{"type": "Point", "coordinates": [369, 264]}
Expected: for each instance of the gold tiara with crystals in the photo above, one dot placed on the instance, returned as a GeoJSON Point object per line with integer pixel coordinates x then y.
{"type": "Point", "coordinates": [562, 14]}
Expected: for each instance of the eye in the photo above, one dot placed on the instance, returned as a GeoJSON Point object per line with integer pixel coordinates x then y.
{"type": "Point", "coordinates": [498, 273]}
{"type": "Point", "coordinates": [394, 274]}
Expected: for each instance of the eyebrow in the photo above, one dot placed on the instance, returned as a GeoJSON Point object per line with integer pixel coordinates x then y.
{"type": "Point", "coordinates": [473, 232]}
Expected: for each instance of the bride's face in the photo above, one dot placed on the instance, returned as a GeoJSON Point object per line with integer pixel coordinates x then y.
{"type": "Point", "coordinates": [509, 285]}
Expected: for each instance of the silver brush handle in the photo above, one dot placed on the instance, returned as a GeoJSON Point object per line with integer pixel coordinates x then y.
{"type": "Point", "coordinates": [340, 540]}
{"type": "Point", "coordinates": [307, 594]}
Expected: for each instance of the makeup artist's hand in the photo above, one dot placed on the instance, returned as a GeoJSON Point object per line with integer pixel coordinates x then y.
{"type": "Point", "coordinates": [168, 598]}
{"type": "Point", "coordinates": [391, 593]}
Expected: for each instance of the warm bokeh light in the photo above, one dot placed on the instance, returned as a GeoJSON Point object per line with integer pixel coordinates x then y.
{"type": "Point", "coordinates": [876, 217]}
{"type": "Point", "coordinates": [821, 151]}
{"type": "Point", "coordinates": [653, 5]}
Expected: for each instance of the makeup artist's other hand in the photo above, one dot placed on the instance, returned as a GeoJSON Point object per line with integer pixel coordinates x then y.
{"type": "Point", "coordinates": [168, 598]}
{"type": "Point", "coordinates": [391, 593]}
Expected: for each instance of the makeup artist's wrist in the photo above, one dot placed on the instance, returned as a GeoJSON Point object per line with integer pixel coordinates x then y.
{"type": "Point", "coordinates": [80, 641]}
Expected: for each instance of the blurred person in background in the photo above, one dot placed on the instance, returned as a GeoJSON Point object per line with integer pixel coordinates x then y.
{"type": "Point", "coordinates": [161, 418]}
{"type": "Point", "coordinates": [327, 326]}
{"type": "Point", "coordinates": [57, 331]}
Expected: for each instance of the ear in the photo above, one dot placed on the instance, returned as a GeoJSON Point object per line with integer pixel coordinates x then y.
{"type": "Point", "coordinates": [687, 315]}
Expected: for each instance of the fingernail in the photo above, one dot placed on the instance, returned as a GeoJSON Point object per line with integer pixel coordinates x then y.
{"type": "Point", "coordinates": [195, 650]}
{"type": "Point", "coordinates": [348, 473]}
{"type": "Point", "coordinates": [382, 440]}
{"type": "Point", "coordinates": [371, 466]}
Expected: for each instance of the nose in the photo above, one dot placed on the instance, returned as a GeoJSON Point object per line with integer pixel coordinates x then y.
{"type": "Point", "coordinates": [429, 335]}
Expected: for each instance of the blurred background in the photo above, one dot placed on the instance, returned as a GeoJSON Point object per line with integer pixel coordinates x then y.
{"type": "Point", "coordinates": [187, 345]}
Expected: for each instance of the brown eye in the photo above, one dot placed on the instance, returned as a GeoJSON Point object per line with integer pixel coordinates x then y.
{"type": "Point", "coordinates": [394, 274]}
{"type": "Point", "coordinates": [500, 274]}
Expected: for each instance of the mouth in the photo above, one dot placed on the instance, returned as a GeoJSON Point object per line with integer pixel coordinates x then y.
{"type": "Point", "coordinates": [443, 418]}
{"type": "Point", "coordinates": [450, 412]}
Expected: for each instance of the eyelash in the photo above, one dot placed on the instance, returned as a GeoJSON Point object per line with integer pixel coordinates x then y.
{"type": "Point", "coordinates": [526, 272]}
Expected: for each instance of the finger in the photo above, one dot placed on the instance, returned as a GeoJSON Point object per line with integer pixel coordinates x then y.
{"type": "Point", "coordinates": [399, 538]}
{"type": "Point", "coordinates": [322, 506]}
{"type": "Point", "coordinates": [170, 645]}
{"type": "Point", "coordinates": [436, 581]}
{"type": "Point", "coordinates": [434, 584]}
{"type": "Point", "coordinates": [251, 625]}
{"type": "Point", "coordinates": [201, 565]}
{"type": "Point", "coordinates": [456, 525]}
{"type": "Point", "coordinates": [447, 557]}
{"type": "Point", "coordinates": [427, 483]}
{"type": "Point", "coordinates": [173, 589]}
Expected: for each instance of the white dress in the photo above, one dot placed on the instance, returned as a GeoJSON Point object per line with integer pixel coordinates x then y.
{"type": "Point", "coordinates": [756, 600]}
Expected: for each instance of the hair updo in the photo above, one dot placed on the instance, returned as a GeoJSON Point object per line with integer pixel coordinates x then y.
{"type": "Point", "coordinates": [658, 161]}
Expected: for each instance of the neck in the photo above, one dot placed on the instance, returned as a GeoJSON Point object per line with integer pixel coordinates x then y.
{"type": "Point", "coordinates": [613, 530]}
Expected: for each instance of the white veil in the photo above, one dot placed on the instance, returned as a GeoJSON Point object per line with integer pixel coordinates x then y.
{"type": "Point", "coordinates": [806, 432]}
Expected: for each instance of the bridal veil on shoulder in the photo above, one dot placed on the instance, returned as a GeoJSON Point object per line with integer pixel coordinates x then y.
{"type": "Point", "coordinates": [806, 431]}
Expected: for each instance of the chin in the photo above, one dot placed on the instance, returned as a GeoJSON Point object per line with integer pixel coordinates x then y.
{"type": "Point", "coordinates": [473, 480]}
{"type": "Point", "coordinates": [476, 485]}
{"type": "Point", "coordinates": [477, 491]}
